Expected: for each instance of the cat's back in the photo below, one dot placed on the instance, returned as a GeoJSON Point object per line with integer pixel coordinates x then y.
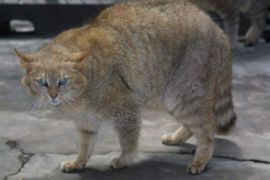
{"type": "Point", "coordinates": [162, 20]}
{"type": "Point", "coordinates": [155, 37]}
{"type": "Point", "coordinates": [147, 14]}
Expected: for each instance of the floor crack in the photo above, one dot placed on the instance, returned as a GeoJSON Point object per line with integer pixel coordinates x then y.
{"type": "Point", "coordinates": [23, 158]}
{"type": "Point", "coordinates": [192, 152]}
{"type": "Point", "coordinates": [241, 160]}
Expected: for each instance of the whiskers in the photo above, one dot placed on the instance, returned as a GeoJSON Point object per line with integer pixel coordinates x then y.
{"type": "Point", "coordinates": [67, 102]}
{"type": "Point", "coordinates": [72, 103]}
{"type": "Point", "coordinates": [39, 103]}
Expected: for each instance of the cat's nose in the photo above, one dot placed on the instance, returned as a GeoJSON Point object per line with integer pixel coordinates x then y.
{"type": "Point", "coordinates": [53, 96]}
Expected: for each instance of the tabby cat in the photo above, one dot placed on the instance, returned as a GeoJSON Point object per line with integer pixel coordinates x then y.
{"type": "Point", "coordinates": [228, 10]}
{"type": "Point", "coordinates": [128, 56]}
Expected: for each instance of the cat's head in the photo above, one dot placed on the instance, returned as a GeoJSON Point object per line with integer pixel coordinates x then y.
{"type": "Point", "coordinates": [54, 78]}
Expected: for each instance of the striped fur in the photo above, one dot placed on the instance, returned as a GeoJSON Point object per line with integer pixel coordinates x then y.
{"type": "Point", "coordinates": [224, 111]}
{"type": "Point", "coordinates": [225, 114]}
{"type": "Point", "coordinates": [134, 53]}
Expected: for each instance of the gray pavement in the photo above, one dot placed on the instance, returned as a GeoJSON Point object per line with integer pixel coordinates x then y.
{"type": "Point", "coordinates": [33, 144]}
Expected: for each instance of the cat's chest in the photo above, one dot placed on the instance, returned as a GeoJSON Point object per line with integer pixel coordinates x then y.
{"type": "Point", "coordinates": [86, 120]}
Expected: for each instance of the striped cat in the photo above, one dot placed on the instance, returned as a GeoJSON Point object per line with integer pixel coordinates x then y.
{"type": "Point", "coordinates": [131, 55]}
{"type": "Point", "coordinates": [228, 10]}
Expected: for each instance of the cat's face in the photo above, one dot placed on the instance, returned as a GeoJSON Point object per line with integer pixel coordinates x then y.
{"type": "Point", "coordinates": [61, 85]}
{"type": "Point", "coordinates": [55, 82]}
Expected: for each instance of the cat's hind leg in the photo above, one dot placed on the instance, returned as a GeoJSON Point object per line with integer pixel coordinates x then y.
{"type": "Point", "coordinates": [181, 135]}
{"type": "Point", "coordinates": [199, 119]}
{"type": "Point", "coordinates": [204, 135]}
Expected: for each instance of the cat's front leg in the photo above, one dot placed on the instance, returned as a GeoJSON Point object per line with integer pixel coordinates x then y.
{"type": "Point", "coordinates": [87, 143]}
{"type": "Point", "coordinates": [128, 128]}
{"type": "Point", "coordinates": [231, 27]}
{"type": "Point", "coordinates": [255, 31]}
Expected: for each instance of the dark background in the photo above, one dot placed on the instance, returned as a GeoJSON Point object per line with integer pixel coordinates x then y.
{"type": "Point", "coordinates": [52, 17]}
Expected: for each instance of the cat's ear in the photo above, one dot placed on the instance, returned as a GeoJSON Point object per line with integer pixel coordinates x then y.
{"type": "Point", "coordinates": [25, 59]}
{"type": "Point", "coordinates": [79, 56]}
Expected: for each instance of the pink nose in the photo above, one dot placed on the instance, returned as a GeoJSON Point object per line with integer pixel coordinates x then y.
{"type": "Point", "coordinates": [53, 96]}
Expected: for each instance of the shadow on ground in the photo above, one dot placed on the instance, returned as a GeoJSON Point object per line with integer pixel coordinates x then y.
{"type": "Point", "coordinates": [163, 167]}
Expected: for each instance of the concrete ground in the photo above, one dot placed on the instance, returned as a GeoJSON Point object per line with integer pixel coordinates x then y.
{"type": "Point", "coordinates": [33, 144]}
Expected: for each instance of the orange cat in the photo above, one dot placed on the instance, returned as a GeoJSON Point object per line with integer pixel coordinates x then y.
{"type": "Point", "coordinates": [133, 53]}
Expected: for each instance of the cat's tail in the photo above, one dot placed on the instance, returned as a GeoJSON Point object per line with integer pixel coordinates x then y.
{"type": "Point", "coordinates": [224, 110]}
{"type": "Point", "coordinates": [226, 117]}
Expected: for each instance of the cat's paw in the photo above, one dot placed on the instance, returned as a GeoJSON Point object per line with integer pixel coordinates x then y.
{"type": "Point", "coordinates": [195, 168]}
{"type": "Point", "coordinates": [71, 166]}
{"type": "Point", "coordinates": [250, 43]}
{"type": "Point", "coordinates": [242, 39]}
{"type": "Point", "coordinates": [169, 140]}
{"type": "Point", "coordinates": [118, 163]}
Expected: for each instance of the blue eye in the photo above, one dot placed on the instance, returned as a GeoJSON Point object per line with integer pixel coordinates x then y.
{"type": "Point", "coordinates": [62, 81]}
{"type": "Point", "coordinates": [42, 82]}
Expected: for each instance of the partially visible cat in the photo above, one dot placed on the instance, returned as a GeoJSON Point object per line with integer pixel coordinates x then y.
{"type": "Point", "coordinates": [228, 10]}
{"type": "Point", "coordinates": [128, 56]}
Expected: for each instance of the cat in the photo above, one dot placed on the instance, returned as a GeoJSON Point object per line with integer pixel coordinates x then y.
{"type": "Point", "coordinates": [228, 10]}
{"type": "Point", "coordinates": [166, 51]}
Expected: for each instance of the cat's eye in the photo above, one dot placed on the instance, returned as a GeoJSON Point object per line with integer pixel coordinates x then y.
{"type": "Point", "coordinates": [43, 82]}
{"type": "Point", "coordinates": [63, 81]}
